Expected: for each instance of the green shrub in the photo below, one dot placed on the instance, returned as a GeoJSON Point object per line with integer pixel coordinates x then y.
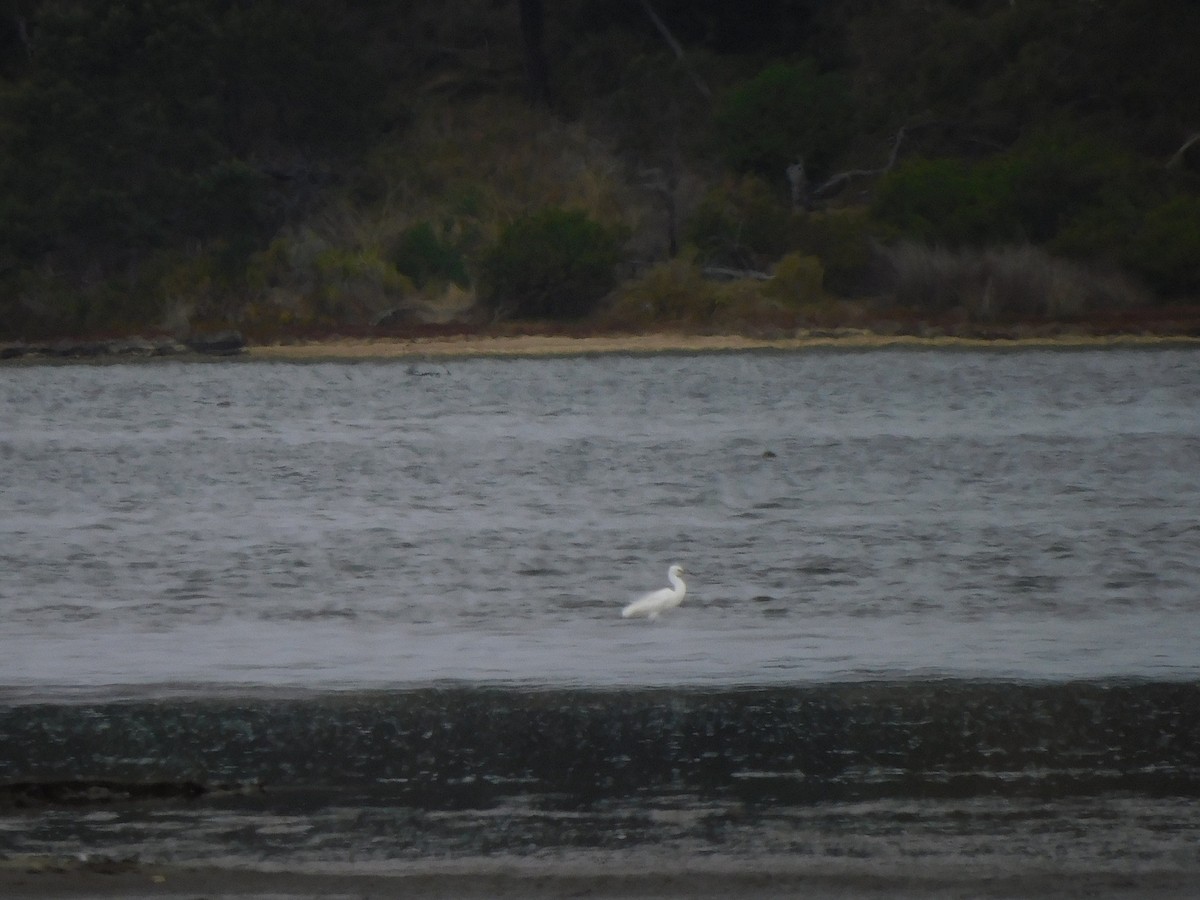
{"type": "Point", "coordinates": [843, 240]}
{"type": "Point", "coordinates": [41, 302]}
{"type": "Point", "coordinates": [554, 264]}
{"type": "Point", "coordinates": [1057, 174]}
{"type": "Point", "coordinates": [355, 285]}
{"type": "Point", "coordinates": [672, 292]}
{"type": "Point", "coordinates": [744, 305]}
{"type": "Point", "coordinates": [192, 285]}
{"type": "Point", "coordinates": [741, 223]}
{"type": "Point", "coordinates": [318, 282]}
{"type": "Point", "coordinates": [424, 257]}
{"type": "Point", "coordinates": [1098, 232]}
{"type": "Point", "coordinates": [798, 280]}
{"type": "Point", "coordinates": [946, 201]}
{"type": "Point", "coordinates": [1039, 192]}
{"type": "Point", "coordinates": [788, 110]}
{"type": "Point", "coordinates": [653, 102]}
{"type": "Point", "coordinates": [1165, 250]}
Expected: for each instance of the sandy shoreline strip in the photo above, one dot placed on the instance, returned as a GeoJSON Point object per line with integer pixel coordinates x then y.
{"type": "Point", "coordinates": [561, 345]}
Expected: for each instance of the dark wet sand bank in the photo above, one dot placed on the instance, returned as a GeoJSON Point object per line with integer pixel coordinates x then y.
{"type": "Point", "coordinates": [82, 881]}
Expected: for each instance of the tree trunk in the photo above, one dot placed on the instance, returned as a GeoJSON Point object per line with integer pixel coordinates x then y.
{"type": "Point", "coordinates": [533, 36]}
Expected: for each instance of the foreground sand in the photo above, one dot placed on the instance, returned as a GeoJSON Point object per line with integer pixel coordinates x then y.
{"type": "Point", "coordinates": [562, 345]}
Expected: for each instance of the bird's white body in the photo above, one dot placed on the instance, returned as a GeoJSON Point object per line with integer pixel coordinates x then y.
{"type": "Point", "coordinates": [658, 601]}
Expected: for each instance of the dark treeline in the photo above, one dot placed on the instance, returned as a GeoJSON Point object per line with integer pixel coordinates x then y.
{"type": "Point", "coordinates": [173, 165]}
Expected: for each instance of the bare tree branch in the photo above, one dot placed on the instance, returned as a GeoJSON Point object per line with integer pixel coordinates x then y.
{"type": "Point", "coordinates": [676, 48]}
{"type": "Point", "coordinates": [832, 185]}
{"type": "Point", "coordinates": [725, 273]}
{"type": "Point", "coordinates": [1178, 158]}
{"type": "Point", "coordinates": [803, 196]}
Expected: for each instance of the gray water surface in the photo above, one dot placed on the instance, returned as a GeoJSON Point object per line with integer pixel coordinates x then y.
{"type": "Point", "coordinates": [841, 516]}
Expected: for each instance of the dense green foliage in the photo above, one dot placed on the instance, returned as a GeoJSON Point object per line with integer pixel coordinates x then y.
{"type": "Point", "coordinates": [553, 264]}
{"type": "Point", "coordinates": [425, 257]}
{"type": "Point", "coordinates": [135, 131]}
{"type": "Point", "coordinates": [272, 164]}
{"type": "Point", "coordinates": [786, 111]}
{"type": "Point", "coordinates": [740, 222]}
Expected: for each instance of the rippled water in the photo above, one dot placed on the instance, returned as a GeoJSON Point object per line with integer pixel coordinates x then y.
{"type": "Point", "coordinates": [840, 515]}
{"type": "Point", "coordinates": [942, 611]}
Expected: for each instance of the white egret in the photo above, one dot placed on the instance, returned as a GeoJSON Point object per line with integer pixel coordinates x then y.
{"type": "Point", "coordinates": [657, 601]}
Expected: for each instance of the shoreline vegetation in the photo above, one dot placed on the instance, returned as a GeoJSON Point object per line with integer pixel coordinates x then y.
{"type": "Point", "coordinates": [276, 169]}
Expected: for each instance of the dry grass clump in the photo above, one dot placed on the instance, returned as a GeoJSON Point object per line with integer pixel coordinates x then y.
{"type": "Point", "coordinates": [1003, 284]}
{"type": "Point", "coordinates": [798, 281]}
{"type": "Point", "coordinates": [493, 160]}
{"type": "Point", "coordinates": [676, 293]}
{"type": "Point", "coordinates": [671, 292]}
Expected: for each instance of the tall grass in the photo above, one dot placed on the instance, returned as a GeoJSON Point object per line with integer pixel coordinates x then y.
{"type": "Point", "coordinates": [1003, 284]}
